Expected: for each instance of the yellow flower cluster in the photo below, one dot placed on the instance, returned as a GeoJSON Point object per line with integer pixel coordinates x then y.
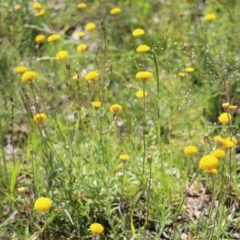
{"type": "Point", "coordinates": [62, 55]}
{"type": "Point", "coordinates": [115, 10]}
{"type": "Point", "coordinates": [92, 75]}
{"type": "Point", "coordinates": [28, 76]}
{"type": "Point", "coordinates": [43, 204]}
{"type": "Point", "coordinates": [208, 163]}
{"type": "Point", "coordinates": [39, 9]}
{"type": "Point", "coordinates": [116, 109]}
{"type": "Point", "coordinates": [40, 38]}
{"type": "Point", "coordinates": [54, 38]}
{"type": "Point", "coordinates": [138, 32]}
{"type": "Point", "coordinates": [190, 150]}
{"type": "Point", "coordinates": [40, 118]}
{"type": "Point", "coordinates": [124, 157]}
{"type": "Point", "coordinates": [96, 228]}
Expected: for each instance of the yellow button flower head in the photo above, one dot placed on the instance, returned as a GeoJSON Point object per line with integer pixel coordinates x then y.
{"type": "Point", "coordinates": [81, 34]}
{"type": "Point", "coordinates": [82, 47]}
{"type": "Point", "coordinates": [40, 12]}
{"type": "Point", "coordinates": [225, 118]}
{"type": "Point", "coordinates": [143, 48]}
{"type": "Point", "coordinates": [62, 55]}
{"type": "Point", "coordinates": [190, 150]}
{"type": "Point", "coordinates": [40, 118]}
{"type": "Point", "coordinates": [17, 6]}
{"type": "Point", "coordinates": [96, 104]}
{"type": "Point", "coordinates": [96, 228]}
{"type": "Point", "coordinates": [43, 204]}
{"type": "Point", "coordinates": [208, 163]}
{"type": "Point", "coordinates": [54, 38]}
{"type": "Point", "coordinates": [90, 26]}
{"type": "Point", "coordinates": [218, 153]}
{"type": "Point", "coordinates": [138, 32]}
{"type": "Point", "coordinates": [144, 75]}
{"type": "Point", "coordinates": [181, 74]}
{"type": "Point", "coordinates": [233, 139]}
{"type": "Point", "coordinates": [116, 109]}
{"type": "Point", "coordinates": [115, 10]}
{"type": "Point", "coordinates": [92, 75]}
{"type": "Point", "coordinates": [40, 38]}
{"type": "Point", "coordinates": [210, 17]}
{"type": "Point", "coordinates": [82, 5]}
{"type": "Point", "coordinates": [124, 157]}
{"type": "Point", "coordinates": [21, 190]}
{"type": "Point", "coordinates": [37, 6]}
{"type": "Point", "coordinates": [28, 76]}
{"type": "Point", "coordinates": [189, 69]}
{"type": "Point", "coordinates": [141, 94]}
{"type": "Point", "coordinates": [20, 69]}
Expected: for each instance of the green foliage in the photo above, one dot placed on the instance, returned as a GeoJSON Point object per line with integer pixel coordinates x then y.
{"type": "Point", "coordinates": [73, 157]}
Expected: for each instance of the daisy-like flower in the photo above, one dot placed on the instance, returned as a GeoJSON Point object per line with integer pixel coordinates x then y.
{"type": "Point", "coordinates": [116, 109]}
{"type": "Point", "coordinates": [20, 69]}
{"type": "Point", "coordinates": [40, 118]}
{"type": "Point", "coordinates": [208, 163]}
{"type": "Point", "coordinates": [96, 104]}
{"type": "Point", "coordinates": [28, 76]}
{"type": "Point", "coordinates": [62, 55]}
{"type": "Point", "coordinates": [144, 75]}
{"type": "Point", "coordinates": [225, 118]}
{"type": "Point", "coordinates": [115, 10]}
{"type": "Point", "coordinates": [218, 153]}
{"type": "Point", "coordinates": [138, 32]}
{"type": "Point", "coordinates": [96, 228]}
{"type": "Point", "coordinates": [54, 38]}
{"type": "Point", "coordinates": [81, 5]}
{"type": "Point", "coordinates": [43, 204]}
{"type": "Point", "coordinates": [92, 75]}
{"type": "Point", "coordinates": [124, 157]}
{"type": "Point", "coordinates": [81, 34]}
{"type": "Point", "coordinates": [143, 48]}
{"type": "Point", "coordinates": [40, 38]}
{"type": "Point", "coordinates": [141, 94]}
{"type": "Point", "coordinates": [190, 150]}
{"type": "Point", "coordinates": [189, 69]}
{"type": "Point", "coordinates": [82, 47]}
{"type": "Point", "coordinates": [90, 26]}
{"type": "Point", "coordinates": [209, 17]}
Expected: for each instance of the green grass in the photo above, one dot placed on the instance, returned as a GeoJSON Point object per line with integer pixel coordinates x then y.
{"type": "Point", "coordinates": [73, 157]}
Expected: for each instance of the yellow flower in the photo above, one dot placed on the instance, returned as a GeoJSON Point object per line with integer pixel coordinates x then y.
{"type": "Point", "coordinates": [92, 75]}
{"type": "Point", "coordinates": [233, 107]}
{"type": "Point", "coordinates": [62, 55]}
{"type": "Point", "coordinates": [189, 69]}
{"type": "Point", "coordinates": [43, 204]}
{"type": "Point", "coordinates": [225, 118]}
{"type": "Point", "coordinates": [28, 76]}
{"type": "Point", "coordinates": [40, 12]}
{"type": "Point", "coordinates": [233, 139]}
{"type": "Point", "coordinates": [75, 77]}
{"type": "Point", "coordinates": [40, 118]}
{"type": "Point", "coordinates": [53, 38]}
{"type": "Point", "coordinates": [143, 48]}
{"type": "Point", "coordinates": [230, 142]}
{"type": "Point", "coordinates": [124, 157]}
{"type": "Point", "coordinates": [20, 69]}
{"type": "Point", "coordinates": [208, 163]}
{"type": "Point", "coordinates": [210, 17]}
{"type": "Point", "coordinates": [115, 10]}
{"type": "Point", "coordinates": [81, 34]}
{"type": "Point", "coordinates": [96, 228]}
{"type": "Point", "coordinates": [190, 150]}
{"type": "Point", "coordinates": [187, 1]}
{"type": "Point", "coordinates": [141, 94]}
{"type": "Point", "coordinates": [138, 32]}
{"type": "Point", "coordinates": [144, 75]}
{"type": "Point", "coordinates": [82, 47]}
{"type": "Point", "coordinates": [90, 26]}
{"type": "Point", "coordinates": [181, 74]}
{"type": "Point", "coordinates": [96, 104]}
{"type": "Point", "coordinates": [17, 6]}
{"type": "Point", "coordinates": [40, 38]}
{"type": "Point", "coordinates": [21, 190]}
{"type": "Point", "coordinates": [81, 5]}
{"type": "Point", "coordinates": [115, 109]}
{"type": "Point", "coordinates": [37, 6]}
{"type": "Point", "coordinates": [226, 105]}
{"type": "Point", "coordinates": [218, 153]}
